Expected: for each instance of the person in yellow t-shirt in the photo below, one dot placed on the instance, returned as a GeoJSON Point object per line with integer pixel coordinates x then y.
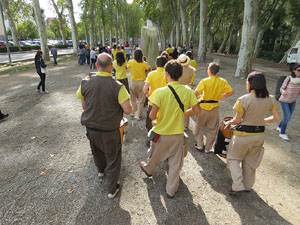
{"type": "Point", "coordinates": [114, 52]}
{"type": "Point", "coordinates": [170, 51]}
{"type": "Point", "coordinates": [246, 149]}
{"type": "Point", "coordinates": [167, 144]}
{"type": "Point", "coordinates": [137, 68]}
{"type": "Point", "coordinates": [213, 88]}
{"type": "Point", "coordinates": [123, 51]}
{"type": "Point", "coordinates": [192, 63]}
{"type": "Point", "coordinates": [155, 79]}
{"type": "Point", "coordinates": [120, 66]}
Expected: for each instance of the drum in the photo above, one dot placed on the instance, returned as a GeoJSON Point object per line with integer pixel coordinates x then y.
{"type": "Point", "coordinates": [123, 124]}
{"type": "Point", "coordinates": [226, 130]}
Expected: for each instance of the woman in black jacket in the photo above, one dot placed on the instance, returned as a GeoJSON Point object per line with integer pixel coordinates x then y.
{"type": "Point", "coordinates": [40, 69]}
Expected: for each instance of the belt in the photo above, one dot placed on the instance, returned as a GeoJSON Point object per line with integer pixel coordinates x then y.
{"type": "Point", "coordinates": [250, 129]}
{"type": "Point", "coordinates": [100, 130]}
{"type": "Point", "coordinates": [208, 101]}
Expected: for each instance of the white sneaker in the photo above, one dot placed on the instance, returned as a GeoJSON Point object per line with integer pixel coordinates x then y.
{"type": "Point", "coordinates": [45, 92]}
{"type": "Point", "coordinates": [100, 175]}
{"type": "Point", "coordinates": [38, 90]}
{"type": "Point", "coordinates": [207, 151]}
{"type": "Point", "coordinates": [284, 137]}
{"type": "Point", "coordinates": [110, 195]}
{"type": "Point", "coordinates": [279, 129]}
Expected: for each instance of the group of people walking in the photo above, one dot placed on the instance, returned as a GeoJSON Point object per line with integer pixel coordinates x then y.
{"type": "Point", "coordinates": [170, 103]}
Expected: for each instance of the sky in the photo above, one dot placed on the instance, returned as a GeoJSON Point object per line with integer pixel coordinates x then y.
{"type": "Point", "coordinates": [50, 12]}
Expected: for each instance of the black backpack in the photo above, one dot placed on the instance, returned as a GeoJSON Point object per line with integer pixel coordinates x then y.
{"type": "Point", "coordinates": [278, 86]}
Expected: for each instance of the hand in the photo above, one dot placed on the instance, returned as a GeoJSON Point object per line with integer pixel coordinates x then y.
{"type": "Point", "coordinates": [283, 92]}
{"type": "Point", "coordinates": [228, 123]}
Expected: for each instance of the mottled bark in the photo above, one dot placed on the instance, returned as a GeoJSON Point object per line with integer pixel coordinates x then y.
{"type": "Point", "coordinates": [69, 5]}
{"type": "Point", "coordinates": [203, 31]}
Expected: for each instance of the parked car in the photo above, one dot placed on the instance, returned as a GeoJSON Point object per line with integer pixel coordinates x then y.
{"type": "Point", "coordinates": [2, 43]}
{"type": "Point", "coordinates": [11, 43]}
{"type": "Point", "coordinates": [294, 55]}
{"type": "Point", "coordinates": [69, 42]}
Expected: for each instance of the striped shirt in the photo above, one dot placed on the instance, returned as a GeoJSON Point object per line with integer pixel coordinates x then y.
{"type": "Point", "coordinates": [292, 91]}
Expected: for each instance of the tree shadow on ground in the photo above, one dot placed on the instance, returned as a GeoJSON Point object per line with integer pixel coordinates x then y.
{"type": "Point", "coordinates": [249, 206]}
{"type": "Point", "coordinates": [97, 208]}
{"type": "Point", "coordinates": [178, 210]}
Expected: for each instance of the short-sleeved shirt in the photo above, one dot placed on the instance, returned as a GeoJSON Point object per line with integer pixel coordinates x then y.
{"type": "Point", "coordinates": [156, 79]}
{"type": "Point", "coordinates": [123, 94]}
{"type": "Point", "coordinates": [193, 63]}
{"type": "Point", "coordinates": [169, 50]}
{"type": "Point", "coordinates": [212, 88]}
{"type": "Point", "coordinates": [120, 70]}
{"type": "Point", "coordinates": [254, 110]}
{"type": "Point", "coordinates": [170, 118]}
{"type": "Point", "coordinates": [114, 53]}
{"type": "Point", "coordinates": [137, 70]}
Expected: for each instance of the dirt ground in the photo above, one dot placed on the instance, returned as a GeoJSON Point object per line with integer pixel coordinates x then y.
{"type": "Point", "coordinates": [47, 174]}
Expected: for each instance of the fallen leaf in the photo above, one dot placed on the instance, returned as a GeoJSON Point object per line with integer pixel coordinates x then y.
{"type": "Point", "coordinates": [52, 155]}
{"type": "Point", "coordinates": [43, 172]}
{"type": "Point", "coordinates": [70, 191]}
{"type": "Point", "coordinates": [32, 138]}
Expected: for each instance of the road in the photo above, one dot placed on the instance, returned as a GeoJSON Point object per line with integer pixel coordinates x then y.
{"type": "Point", "coordinates": [23, 56]}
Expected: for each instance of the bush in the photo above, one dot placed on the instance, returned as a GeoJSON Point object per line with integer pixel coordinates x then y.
{"type": "Point", "coordinates": [270, 55]}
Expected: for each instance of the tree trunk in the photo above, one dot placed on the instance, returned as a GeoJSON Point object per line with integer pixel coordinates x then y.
{"type": "Point", "coordinates": [194, 25]}
{"type": "Point", "coordinates": [258, 42]}
{"type": "Point", "coordinates": [41, 28]}
{"type": "Point", "coordinates": [294, 42]}
{"type": "Point", "coordinates": [177, 33]}
{"type": "Point", "coordinates": [111, 24]}
{"type": "Point", "coordinates": [228, 46]}
{"type": "Point", "coordinates": [11, 21]}
{"type": "Point", "coordinates": [249, 30]}
{"type": "Point", "coordinates": [203, 30]}
{"type": "Point", "coordinates": [86, 32]}
{"type": "Point", "coordinates": [92, 23]}
{"type": "Point", "coordinates": [73, 25]}
{"type": "Point", "coordinates": [211, 42]}
{"type": "Point", "coordinates": [60, 22]}
{"type": "Point", "coordinates": [103, 22]}
{"type": "Point", "coordinates": [182, 6]}
{"type": "Point", "coordinates": [221, 48]}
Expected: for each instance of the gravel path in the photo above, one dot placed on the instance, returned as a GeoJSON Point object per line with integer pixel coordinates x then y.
{"type": "Point", "coordinates": [47, 174]}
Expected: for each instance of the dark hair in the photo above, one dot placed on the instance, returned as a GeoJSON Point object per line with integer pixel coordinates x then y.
{"type": "Point", "coordinates": [138, 55]}
{"type": "Point", "coordinates": [174, 68]}
{"type": "Point", "coordinates": [294, 67]}
{"type": "Point", "coordinates": [258, 83]}
{"type": "Point", "coordinates": [114, 46]}
{"type": "Point", "coordinates": [169, 45]}
{"type": "Point", "coordinates": [165, 53]}
{"type": "Point", "coordinates": [39, 52]}
{"type": "Point", "coordinates": [214, 67]}
{"type": "Point", "coordinates": [120, 58]}
{"type": "Point", "coordinates": [161, 61]}
{"type": "Point", "coordinates": [189, 54]}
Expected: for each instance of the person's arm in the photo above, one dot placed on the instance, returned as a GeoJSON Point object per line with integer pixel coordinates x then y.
{"type": "Point", "coordinates": [146, 88]}
{"type": "Point", "coordinates": [274, 118]}
{"type": "Point", "coordinates": [83, 104]}
{"type": "Point", "coordinates": [153, 113]}
{"type": "Point", "coordinates": [126, 106]}
{"type": "Point", "coordinates": [193, 111]}
{"type": "Point", "coordinates": [225, 95]}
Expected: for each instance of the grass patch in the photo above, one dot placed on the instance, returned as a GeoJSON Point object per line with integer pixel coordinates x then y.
{"type": "Point", "coordinates": [18, 68]}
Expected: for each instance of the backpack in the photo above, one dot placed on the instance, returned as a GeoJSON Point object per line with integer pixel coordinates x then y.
{"type": "Point", "coordinates": [278, 86]}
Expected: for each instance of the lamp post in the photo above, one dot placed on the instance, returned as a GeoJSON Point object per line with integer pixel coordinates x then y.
{"type": "Point", "coordinates": [4, 28]}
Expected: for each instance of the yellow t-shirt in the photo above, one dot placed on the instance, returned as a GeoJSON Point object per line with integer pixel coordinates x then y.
{"type": "Point", "coordinates": [156, 79]}
{"type": "Point", "coordinates": [124, 53]}
{"type": "Point", "coordinates": [170, 118]}
{"type": "Point", "coordinates": [114, 52]}
{"type": "Point", "coordinates": [212, 88]}
{"type": "Point", "coordinates": [120, 70]}
{"type": "Point", "coordinates": [123, 94]}
{"type": "Point", "coordinates": [137, 70]}
{"type": "Point", "coordinates": [193, 63]}
{"type": "Point", "coordinates": [169, 50]}
{"type": "Point", "coordinates": [238, 107]}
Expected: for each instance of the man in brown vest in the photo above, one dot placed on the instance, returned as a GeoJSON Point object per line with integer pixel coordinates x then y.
{"type": "Point", "coordinates": [104, 100]}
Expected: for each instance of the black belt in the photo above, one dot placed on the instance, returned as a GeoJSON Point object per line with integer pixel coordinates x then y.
{"type": "Point", "coordinates": [100, 130]}
{"type": "Point", "coordinates": [208, 101]}
{"type": "Point", "coordinates": [250, 129]}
